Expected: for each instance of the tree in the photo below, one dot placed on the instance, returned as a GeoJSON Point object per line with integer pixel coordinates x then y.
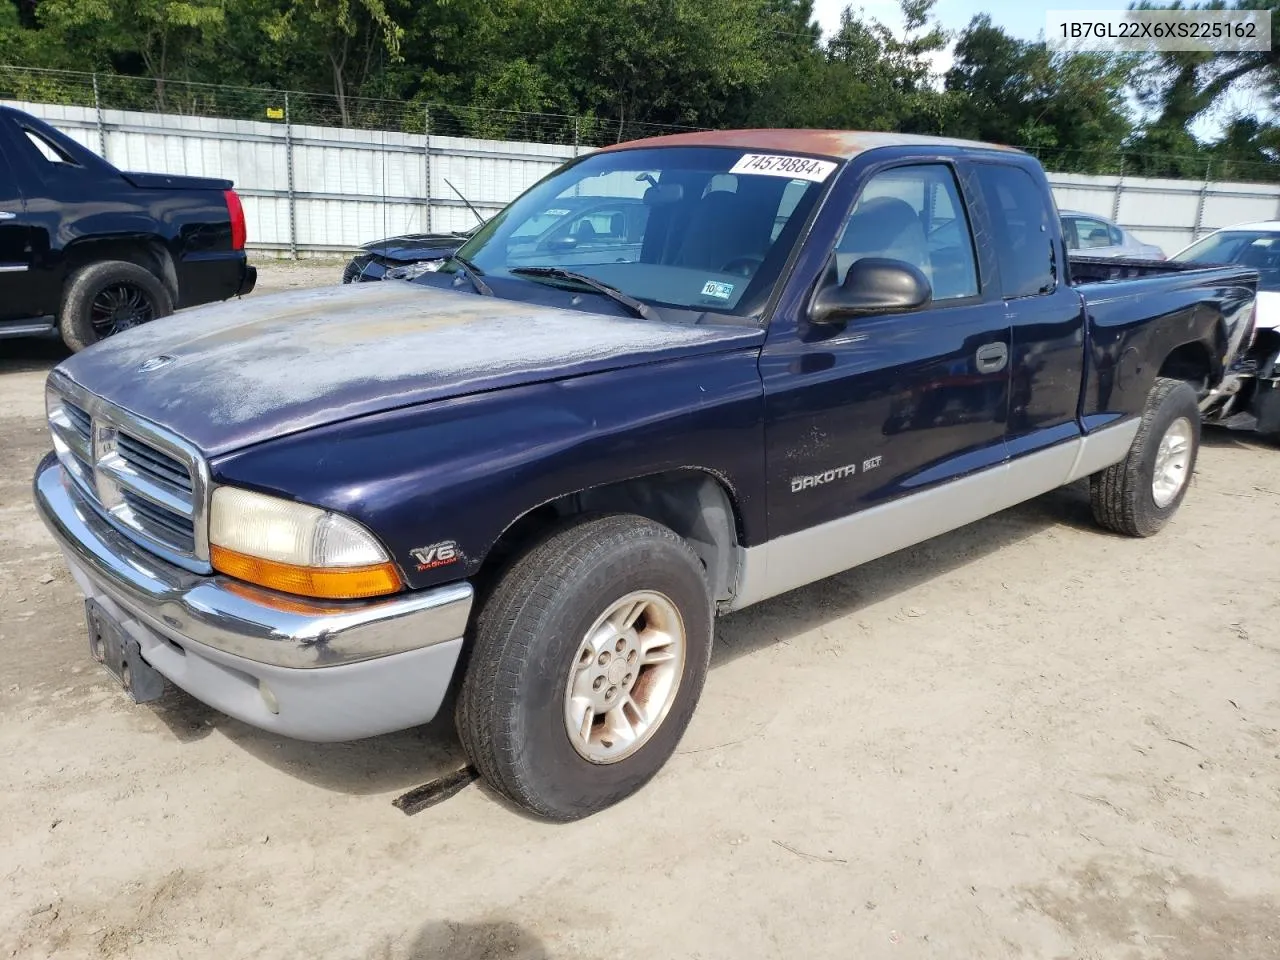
{"type": "Point", "coordinates": [1182, 87]}
{"type": "Point", "coordinates": [346, 37]}
{"type": "Point", "coordinates": [1068, 108]}
{"type": "Point", "coordinates": [161, 33]}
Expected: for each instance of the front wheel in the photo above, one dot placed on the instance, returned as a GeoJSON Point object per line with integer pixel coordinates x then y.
{"type": "Point", "coordinates": [589, 658]}
{"type": "Point", "coordinates": [1138, 495]}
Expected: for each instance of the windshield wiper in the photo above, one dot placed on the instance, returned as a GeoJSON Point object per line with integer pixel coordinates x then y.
{"type": "Point", "coordinates": [471, 273]}
{"type": "Point", "coordinates": [637, 307]}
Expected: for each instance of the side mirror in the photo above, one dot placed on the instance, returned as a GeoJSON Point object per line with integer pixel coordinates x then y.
{"type": "Point", "coordinates": [872, 285]}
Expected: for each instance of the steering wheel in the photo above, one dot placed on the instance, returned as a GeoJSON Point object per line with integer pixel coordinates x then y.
{"type": "Point", "coordinates": [743, 266]}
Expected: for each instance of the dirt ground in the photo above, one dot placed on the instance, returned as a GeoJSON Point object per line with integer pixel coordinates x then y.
{"type": "Point", "coordinates": [1023, 739]}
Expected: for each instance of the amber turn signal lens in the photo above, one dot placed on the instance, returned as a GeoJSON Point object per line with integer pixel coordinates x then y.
{"type": "Point", "coordinates": [331, 583]}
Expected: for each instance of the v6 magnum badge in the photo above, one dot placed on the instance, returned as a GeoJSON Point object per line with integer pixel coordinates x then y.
{"type": "Point", "coordinates": [437, 555]}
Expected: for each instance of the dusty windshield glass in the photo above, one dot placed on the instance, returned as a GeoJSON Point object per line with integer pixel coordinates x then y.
{"type": "Point", "coordinates": [699, 228]}
{"type": "Point", "coordinates": [1259, 249]}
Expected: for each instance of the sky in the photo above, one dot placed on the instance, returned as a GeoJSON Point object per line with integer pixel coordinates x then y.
{"type": "Point", "coordinates": [1024, 19]}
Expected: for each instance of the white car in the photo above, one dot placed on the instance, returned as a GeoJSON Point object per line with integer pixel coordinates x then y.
{"type": "Point", "coordinates": [1254, 402]}
{"type": "Point", "coordinates": [1089, 235]}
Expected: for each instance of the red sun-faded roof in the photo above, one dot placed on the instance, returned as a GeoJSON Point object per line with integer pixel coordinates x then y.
{"type": "Point", "coordinates": [829, 143]}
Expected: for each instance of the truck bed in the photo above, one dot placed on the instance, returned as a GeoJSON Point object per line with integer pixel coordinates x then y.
{"type": "Point", "coordinates": [1104, 269]}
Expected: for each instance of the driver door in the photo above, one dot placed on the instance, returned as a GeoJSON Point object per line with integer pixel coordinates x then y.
{"type": "Point", "coordinates": [884, 407]}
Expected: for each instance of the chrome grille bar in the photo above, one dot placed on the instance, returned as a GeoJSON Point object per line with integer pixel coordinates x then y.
{"type": "Point", "coordinates": [148, 483]}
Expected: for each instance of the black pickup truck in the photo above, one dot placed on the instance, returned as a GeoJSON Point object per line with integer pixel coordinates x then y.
{"type": "Point", "coordinates": [534, 480]}
{"type": "Point", "coordinates": [87, 251]}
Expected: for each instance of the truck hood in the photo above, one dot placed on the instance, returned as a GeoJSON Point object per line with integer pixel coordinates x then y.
{"type": "Point", "coordinates": [238, 373]}
{"type": "Point", "coordinates": [415, 247]}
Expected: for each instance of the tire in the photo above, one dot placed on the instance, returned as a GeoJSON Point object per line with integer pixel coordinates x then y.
{"type": "Point", "coordinates": [515, 703]}
{"type": "Point", "coordinates": [1125, 497]}
{"type": "Point", "coordinates": [86, 316]}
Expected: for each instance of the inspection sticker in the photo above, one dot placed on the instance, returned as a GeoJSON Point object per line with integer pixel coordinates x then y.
{"type": "Point", "coordinates": [796, 168]}
{"type": "Point", "coordinates": [721, 291]}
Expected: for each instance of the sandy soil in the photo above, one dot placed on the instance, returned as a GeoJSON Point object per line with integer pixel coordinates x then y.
{"type": "Point", "coordinates": [1023, 739]}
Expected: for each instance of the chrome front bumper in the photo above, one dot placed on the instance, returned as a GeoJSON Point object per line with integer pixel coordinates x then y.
{"type": "Point", "coordinates": [331, 671]}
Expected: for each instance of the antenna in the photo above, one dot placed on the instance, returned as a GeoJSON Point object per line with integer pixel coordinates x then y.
{"type": "Point", "coordinates": [483, 220]}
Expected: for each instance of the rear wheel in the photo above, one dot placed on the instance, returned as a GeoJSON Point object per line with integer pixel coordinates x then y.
{"type": "Point", "coordinates": [1138, 495]}
{"type": "Point", "coordinates": [589, 658]}
{"type": "Point", "coordinates": [109, 297]}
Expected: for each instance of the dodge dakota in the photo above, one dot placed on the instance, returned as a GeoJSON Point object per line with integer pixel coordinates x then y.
{"type": "Point", "coordinates": [87, 251]}
{"type": "Point", "coordinates": [527, 483]}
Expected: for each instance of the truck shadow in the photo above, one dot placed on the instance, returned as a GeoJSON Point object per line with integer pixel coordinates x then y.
{"type": "Point", "coordinates": [486, 940]}
{"type": "Point", "coordinates": [403, 760]}
{"type": "Point", "coordinates": [1222, 438]}
{"type": "Point", "coordinates": [24, 355]}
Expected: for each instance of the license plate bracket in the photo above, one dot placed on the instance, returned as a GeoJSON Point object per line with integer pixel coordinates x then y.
{"type": "Point", "coordinates": [112, 647]}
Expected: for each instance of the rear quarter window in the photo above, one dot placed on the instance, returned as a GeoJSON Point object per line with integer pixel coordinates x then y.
{"type": "Point", "coordinates": [1020, 222]}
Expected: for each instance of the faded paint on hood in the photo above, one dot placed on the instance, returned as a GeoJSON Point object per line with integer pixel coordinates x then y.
{"type": "Point", "coordinates": [251, 370]}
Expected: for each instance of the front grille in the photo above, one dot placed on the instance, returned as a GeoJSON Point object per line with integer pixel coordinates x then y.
{"type": "Point", "coordinates": [155, 464]}
{"type": "Point", "coordinates": [149, 484]}
{"type": "Point", "coordinates": [79, 419]}
{"type": "Point", "coordinates": [160, 522]}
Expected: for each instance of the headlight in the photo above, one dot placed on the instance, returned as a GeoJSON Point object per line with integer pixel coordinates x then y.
{"type": "Point", "coordinates": [296, 548]}
{"type": "Point", "coordinates": [411, 270]}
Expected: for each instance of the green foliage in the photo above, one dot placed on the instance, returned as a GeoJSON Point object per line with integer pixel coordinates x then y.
{"type": "Point", "coordinates": [596, 71]}
{"type": "Point", "coordinates": [1067, 108]}
{"type": "Point", "coordinates": [1181, 88]}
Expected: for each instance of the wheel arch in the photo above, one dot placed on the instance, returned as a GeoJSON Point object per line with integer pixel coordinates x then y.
{"type": "Point", "coordinates": [695, 502]}
{"type": "Point", "coordinates": [1192, 362]}
{"type": "Point", "coordinates": [148, 252]}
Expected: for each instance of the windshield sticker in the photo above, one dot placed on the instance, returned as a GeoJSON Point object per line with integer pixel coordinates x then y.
{"type": "Point", "coordinates": [720, 291]}
{"type": "Point", "coordinates": [795, 168]}
{"type": "Point", "coordinates": [557, 212]}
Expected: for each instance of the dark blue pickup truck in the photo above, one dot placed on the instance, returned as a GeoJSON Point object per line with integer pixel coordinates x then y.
{"type": "Point", "coordinates": [87, 250]}
{"type": "Point", "coordinates": [533, 481]}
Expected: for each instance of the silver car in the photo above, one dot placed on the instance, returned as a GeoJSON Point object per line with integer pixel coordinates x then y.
{"type": "Point", "coordinates": [1090, 235]}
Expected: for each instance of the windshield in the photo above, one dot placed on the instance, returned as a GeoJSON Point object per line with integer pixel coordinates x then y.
{"type": "Point", "coordinates": [1258, 249]}
{"type": "Point", "coordinates": [697, 228]}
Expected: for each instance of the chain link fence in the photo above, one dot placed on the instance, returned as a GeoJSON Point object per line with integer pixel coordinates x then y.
{"type": "Point", "coordinates": [321, 174]}
{"type": "Point", "coordinates": [183, 98]}
{"type": "Point", "coordinates": [1150, 164]}
{"type": "Point", "coordinates": [102, 91]}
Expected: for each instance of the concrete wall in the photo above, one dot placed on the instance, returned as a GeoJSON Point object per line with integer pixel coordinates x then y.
{"type": "Point", "coordinates": [352, 186]}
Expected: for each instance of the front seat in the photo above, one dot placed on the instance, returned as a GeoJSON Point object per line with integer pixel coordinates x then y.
{"type": "Point", "coordinates": [720, 231]}
{"type": "Point", "coordinates": [884, 227]}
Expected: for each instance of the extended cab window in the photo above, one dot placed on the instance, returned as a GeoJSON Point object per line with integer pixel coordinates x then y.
{"type": "Point", "coordinates": [914, 214]}
{"type": "Point", "coordinates": [1020, 221]}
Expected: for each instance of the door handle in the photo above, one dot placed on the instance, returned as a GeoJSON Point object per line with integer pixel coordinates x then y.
{"type": "Point", "coordinates": [992, 357]}
{"type": "Point", "coordinates": [6, 215]}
